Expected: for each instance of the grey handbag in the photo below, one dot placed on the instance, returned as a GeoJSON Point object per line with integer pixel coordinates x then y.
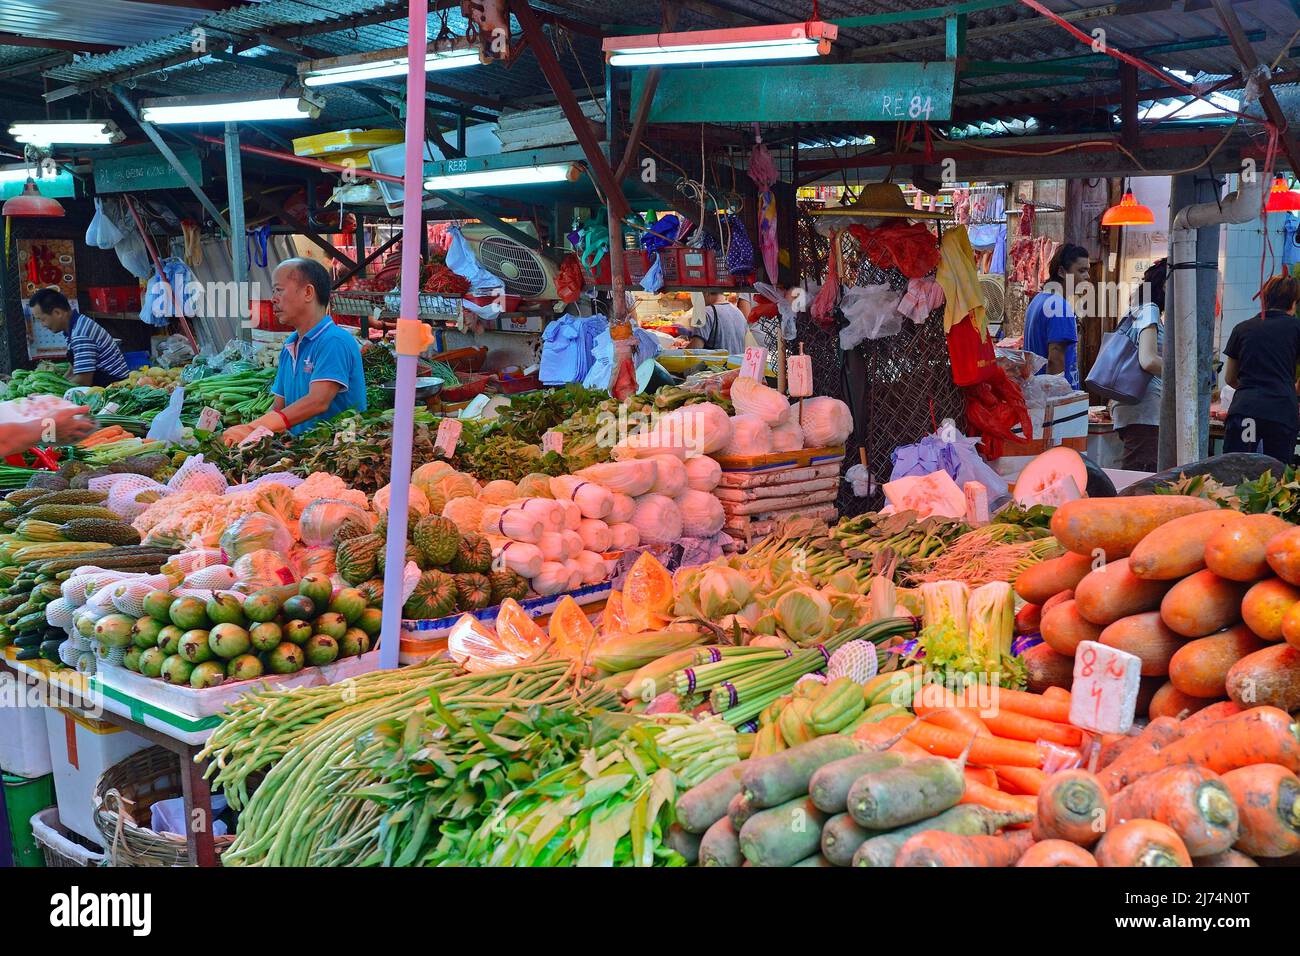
{"type": "Point", "coordinates": [1117, 375]}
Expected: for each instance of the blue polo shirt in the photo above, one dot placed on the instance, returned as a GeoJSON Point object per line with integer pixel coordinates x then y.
{"type": "Point", "coordinates": [325, 354]}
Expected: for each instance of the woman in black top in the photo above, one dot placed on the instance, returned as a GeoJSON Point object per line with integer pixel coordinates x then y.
{"type": "Point", "coordinates": [1262, 354]}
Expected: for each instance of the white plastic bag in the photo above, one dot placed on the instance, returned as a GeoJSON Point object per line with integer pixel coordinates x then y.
{"type": "Point", "coordinates": [167, 425]}
{"type": "Point", "coordinates": [462, 261]}
{"type": "Point", "coordinates": [872, 313]}
{"type": "Point", "coordinates": [102, 233]}
{"type": "Point", "coordinates": [133, 255]}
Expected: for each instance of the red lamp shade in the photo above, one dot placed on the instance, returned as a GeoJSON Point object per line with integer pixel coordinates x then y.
{"type": "Point", "coordinates": [31, 204]}
{"type": "Point", "coordinates": [1281, 198]}
{"type": "Point", "coordinates": [1129, 212]}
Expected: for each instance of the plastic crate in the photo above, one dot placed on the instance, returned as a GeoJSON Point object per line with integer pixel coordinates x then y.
{"type": "Point", "coordinates": [60, 846]}
{"type": "Point", "coordinates": [82, 748]}
{"type": "Point", "coordinates": [24, 798]}
{"type": "Point", "coordinates": [114, 298]}
{"type": "Point", "coordinates": [135, 360]}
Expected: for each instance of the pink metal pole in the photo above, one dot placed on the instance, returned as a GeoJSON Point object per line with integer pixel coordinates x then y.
{"type": "Point", "coordinates": [412, 334]}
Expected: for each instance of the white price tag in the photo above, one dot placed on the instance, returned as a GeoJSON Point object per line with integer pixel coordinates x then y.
{"type": "Point", "coordinates": [1105, 689]}
{"type": "Point", "coordinates": [209, 419]}
{"type": "Point", "coordinates": [257, 434]}
{"type": "Point", "coordinates": [448, 436]}
{"type": "Point", "coordinates": [110, 409]}
{"type": "Point", "coordinates": [755, 364]}
{"type": "Point", "coordinates": [798, 376]}
{"type": "Point", "coordinates": [553, 441]}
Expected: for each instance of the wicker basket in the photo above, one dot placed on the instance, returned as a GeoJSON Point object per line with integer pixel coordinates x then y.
{"type": "Point", "coordinates": [61, 847]}
{"type": "Point", "coordinates": [124, 794]}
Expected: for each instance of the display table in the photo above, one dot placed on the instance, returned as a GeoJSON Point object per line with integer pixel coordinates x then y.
{"type": "Point", "coordinates": [86, 697]}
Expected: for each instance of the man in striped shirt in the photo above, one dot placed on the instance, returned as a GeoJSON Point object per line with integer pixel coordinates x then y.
{"type": "Point", "coordinates": [96, 359]}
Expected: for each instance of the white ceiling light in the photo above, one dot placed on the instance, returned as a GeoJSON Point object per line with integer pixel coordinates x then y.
{"type": "Point", "coordinates": [515, 176]}
{"type": "Point", "coordinates": [17, 174]}
{"type": "Point", "coordinates": [222, 108]}
{"type": "Point", "coordinates": [779, 42]}
{"type": "Point", "coordinates": [73, 132]}
{"type": "Point", "coordinates": [381, 64]}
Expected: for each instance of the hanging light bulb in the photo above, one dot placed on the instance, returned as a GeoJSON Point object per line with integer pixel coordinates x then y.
{"type": "Point", "coordinates": [1129, 212]}
{"type": "Point", "coordinates": [1281, 198]}
{"type": "Point", "coordinates": [30, 204]}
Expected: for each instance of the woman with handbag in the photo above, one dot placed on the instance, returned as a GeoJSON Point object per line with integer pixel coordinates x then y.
{"type": "Point", "coordinates": [1262, 353]}
{"type": "Point", "coordinates": [1138, 423]}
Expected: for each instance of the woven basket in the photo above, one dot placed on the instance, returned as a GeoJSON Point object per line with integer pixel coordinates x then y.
{"type": "Point", "coordinates": [124, 794]}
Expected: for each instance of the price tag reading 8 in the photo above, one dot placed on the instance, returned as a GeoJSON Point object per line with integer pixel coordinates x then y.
{"type": "Point", "coordinates": [1103, 697]}
{"type": "Point", "coordinates": [553, 441]}
{"type": "Point", "coordinates": [755, 363]}
{"type": "Point", "coordinates": [448, 436]}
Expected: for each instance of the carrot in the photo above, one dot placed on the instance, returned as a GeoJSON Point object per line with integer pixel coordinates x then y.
{"type": "Point", "coordinates": [1056, 853]}
{"type": "Point", "coordinates": [1029, 704]}
{"type": "Point", "coordinates": [1113, 591]}
{"type": "Point", "coordinates": [1200, 668]}
{"type": "Point", "coordinates": [986, 751]}
{"type": "Point", "coordinates": [1192, 801]}
{"type": "Point", "coordinates": [1057, 693]}
{"type": "Point", "coordinates": [1072, 805]}
{"type": "Point", "coordinates": [936, 848]}
{"type": "Point", "coordinates": [992, 799]}
{"type": "Point", "coordinates": [1112, 746]}
{"type": "Point", "coordinates": [1268, 800]}
{"type": "Point", "coordinates": [1020, 780]}
{"type": "Point", "coordinates": [1169, 701]}
{"type": "Point", "coordinates": [1040, 582]}
{"type": "Point", "coordinates": [1045, 668]}
{"type": "Point", "coordinates": [941, 706]}
{"type": "Point", "coordinates": [1116, 525]}
{"type": "Point", "coordinates": [981, 775]}
{"type": "Point", "coordinates": [1159, 734]}
{"type": "Point", "coordinates": [1270, 677]}
{"type": "Point", "coordinates": [1142, 843]}
{"type": "Point", "coordinates": [1238, 551]}
{"type": "Point", "coordinates": [1219, 710]}
{"type": "Point", "coordinates": [1202, 604]}
{"type": "Point", "coordinates": [1146, 637]}
{"type": "Point", "coordinates": [1257, 735]}
{"type": "Point", "coordinates": [1265, 605]}
{"type": "Point", "coordinates": [961, 719]}
{"type": "Point", "coordinates": [1225, 859]}
{"type": "Point", "coordinates": [878, 736]}
{"type": "Point", "coordinates": [1063, 628]}
{"type": "Point", "coordinates": [1177, 548]}
{"type": "Point", "coordinates": [1013, 726]}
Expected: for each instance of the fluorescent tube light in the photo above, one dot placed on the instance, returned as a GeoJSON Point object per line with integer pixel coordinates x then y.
{"type": "Point", "coordinates": [221, 108]}
{"type": "Point", "coordinates": [376, 66]}
{"type": "Point", "coordinates": [75, 132]}
{"type": "Point", "coordinates": [516, 176]}
{"type": "Point", "coordinates": [779, 42]}
{"type": "Point", "coordinates": [16, 174]}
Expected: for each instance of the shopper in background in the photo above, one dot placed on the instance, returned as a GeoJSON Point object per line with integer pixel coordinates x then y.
{"type": "Point", "coordinates": [319, 372]}
{"type": "Point", "coordinates": [1051, 329]}
{"type": "Point", "coordinates": [95, 357]}
{"type": "Point", "coordinates": [1138, 423]}
{"type": "Point", "coordinates": [724, 326]}
{"type": "Point", "coordinates": [1261, 367]}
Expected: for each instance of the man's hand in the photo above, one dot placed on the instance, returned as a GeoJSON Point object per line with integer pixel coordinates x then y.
{"type": "Point", "coordinates": [72, 424]}
{"type": "Point", "coordinates": [236, 433]}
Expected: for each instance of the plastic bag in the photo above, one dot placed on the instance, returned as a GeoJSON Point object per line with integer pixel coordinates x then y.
{"type": "Point", "coordinates": [322, 519]}
{"type": "Point", "coordinates": [102, 233]}
{"type": "Point", "coordinates": [263, 569]}
{"type": "Point", "coordinates": [872, 313]}
{"type": "Point", "coordinates": [653, 280]}
{"type": "Point", "coordinates": [315, 561]}
{"type": "Point", "coordinates": [951, 451]}
{"type": "Point", "coordinates": [568, 280]}
{"type": "Point", "coordinates": [133, 255]}
{"type": "Point", "coordinates": [173, 351]}
{"type": "Point", "coordinates": [166, 426]}
{"type": "Point", "coordinates": [256, 532]}
{"type": "Point", "coordinates": [168, 816]}
{"type": "Point", "coordinates": [462, 261]}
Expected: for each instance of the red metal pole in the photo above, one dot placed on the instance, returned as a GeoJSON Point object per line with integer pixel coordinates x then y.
{"type": "Point", "coordinates": [157, 264]}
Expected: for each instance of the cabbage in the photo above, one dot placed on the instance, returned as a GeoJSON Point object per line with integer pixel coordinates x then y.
{"type": "Point", "coordinates": [657, 520]}
{"type": "Point", "coordinates": [705, 427]}
{"type": "Point", "coordinates": [623, 507]}
{"type": "Point", "coordinates": [754, 398]}
{"type": "Point", "coordinates": [465, 513]}
{"type": "Point", "coordinates": [702, 514]}
{"type": "Point", "coordinates": [787, 436]}
{"type": "Point", "coordinates": [323, 519]}
{"type": "Point", "coordinates": [595, 535]}
{"type": "Point", "coordinates": [458, 485]}
{"type": "Point", "coordinates": [634, 477]}
{"type": "Point", "coordinates": [702, 473]}
{"type": "Point", "coordinates": [750, 436]}
{"type": "Point", "coordinates": [415, 498]}
{"type": "Point", "coordinates": [804, 614]}
{"type": "Point", "coordinates": [499, 492]}
{"type": "Point", "coordinates": [259, 532]}
{"type": "Point", "coordinates": [430, 473]}
{"type": "Point", "coordinates": [535, 486]}
{"type": "Point", "coordinates": [723, 590]}
{"type": "Point", "coordinates": [826, 421]}
{"type": "Point", "coordinates": [670, 475]}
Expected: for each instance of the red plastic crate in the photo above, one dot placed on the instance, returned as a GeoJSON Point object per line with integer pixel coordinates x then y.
{"type": "Point", "coordinates": [114, 298]}
{"type": "Point", "coordinates": [263, 317]}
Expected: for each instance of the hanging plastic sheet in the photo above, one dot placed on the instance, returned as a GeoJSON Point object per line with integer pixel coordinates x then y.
{"type": "Point", "coordinates": [783, 307]}
{"type": "Point", "coordinates": [871, 312]}
{"type": "Point", "coordinates": [462, 261]}
{"type": "Point", "coordinates": [950, 451]}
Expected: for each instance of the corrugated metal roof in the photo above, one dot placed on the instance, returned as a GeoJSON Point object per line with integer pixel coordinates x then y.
{"type": "Point", "coordinates": [109, 22]}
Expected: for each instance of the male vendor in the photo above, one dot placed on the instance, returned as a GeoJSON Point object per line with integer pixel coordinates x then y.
{"type": "Point", "coordinates": [319, 373]}
{"type": "Point", "coordinates": [95, 357]}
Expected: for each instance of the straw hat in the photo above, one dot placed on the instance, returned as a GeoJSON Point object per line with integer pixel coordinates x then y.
{"type": "Point", "coordinates": [880, 201]}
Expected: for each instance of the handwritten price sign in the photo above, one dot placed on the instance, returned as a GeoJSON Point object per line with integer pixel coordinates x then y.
{"type": "Point", "coordinates": [448, 436]}
{"type": "Point", "coordinates": [798, 376]}
{"type": "Point", "coordinates": [1104, 694]}
{"type": "Point", "coordinates": [209, 419]}
{"type": "Point", "coordinates": [755, 363]}
{"type": "Point", "coordinates": [553, 441]}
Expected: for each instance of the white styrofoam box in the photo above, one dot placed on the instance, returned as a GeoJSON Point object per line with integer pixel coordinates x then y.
{"type": "Point", "coordinates": [82, 748]}
{"type": "Point", "coordinates": [1065, 417]}
{"type": "Point", "coordinates": [24, 745]}
{"type": "Point", "coordinates": [191, 702]}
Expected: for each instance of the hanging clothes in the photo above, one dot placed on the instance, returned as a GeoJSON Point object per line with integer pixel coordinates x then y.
{"type": "Point", "coordinates": [167, 294]}
{"type": "Point", "coordinates": [922, 297]}
{"type": "Point", "coordinates": [960, 281]}
{"type": "Point", "coordinates": [1291, 243]}
{"type": "Point", "coordinates": [908, 247]}
{"type": "Point", "coordinates": [563, 359]}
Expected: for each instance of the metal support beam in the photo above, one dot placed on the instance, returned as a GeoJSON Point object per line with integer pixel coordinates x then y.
{"type": "Point", "coordinates": [954, 36]}
{"type": "Point", "coordinates": [48, 43]}
{"type": "Point", "coordinates": [922, 13]}
{"type": "Point", "coordinates": [173, 161]}
{"type": "Point", "coordinates": [238, 241]}
{"type": "Point", "coordinates": [1128, 108]}
{"type": "Point", "coordinates": [554, 73]}
{"type": "Point", "coordinates": [1250, 65]}
{"type": "Point", "coordinates": [35, 66]}
{"type": "Point", "coordinates": [479, 211]}
{"type": "Point", "coordinates": [303, 229]}
{"type": "Point", "coordinates": [642, 115]}
{"type": "Point", "coordinates": [975, 33]}
{"type": "Point", "coordinates": [1088, 71]}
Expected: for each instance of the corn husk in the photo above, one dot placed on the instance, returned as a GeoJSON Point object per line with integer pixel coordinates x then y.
{"type": "Point", "coordinates": [627, 651]}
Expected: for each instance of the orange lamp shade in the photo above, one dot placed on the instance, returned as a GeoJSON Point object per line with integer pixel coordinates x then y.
{"type": "Point", "coordinates": [1281, 198]}
{"type": "Point", "coordinates": [30, 204]}
{"type": "Point", "coordinates": [1129, 212]}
